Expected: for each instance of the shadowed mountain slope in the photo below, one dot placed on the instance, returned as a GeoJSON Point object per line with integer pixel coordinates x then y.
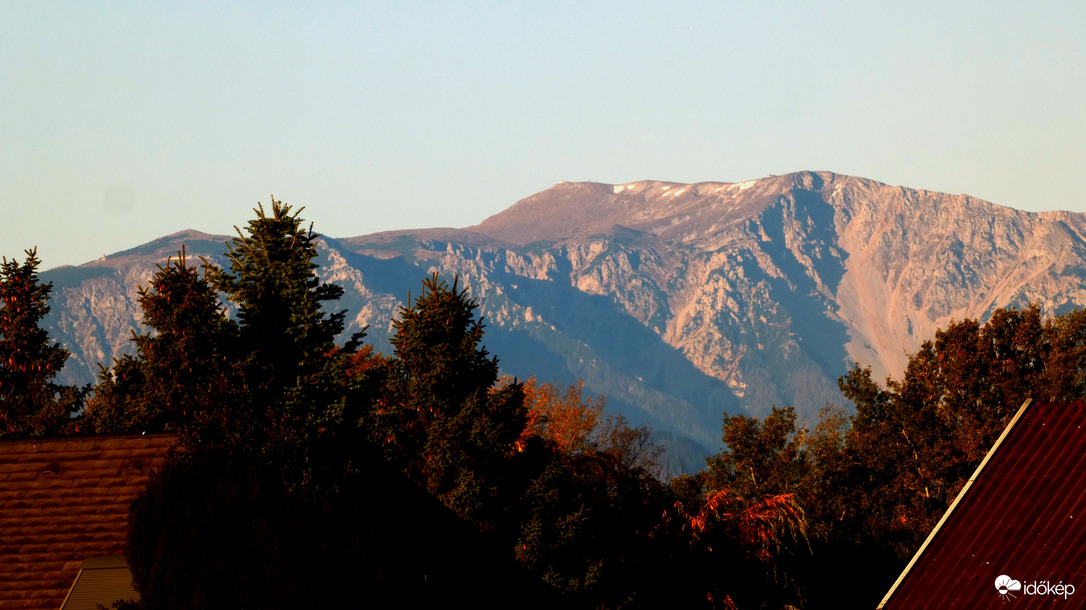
{"type": "Point", "coordinates": [678, 301]}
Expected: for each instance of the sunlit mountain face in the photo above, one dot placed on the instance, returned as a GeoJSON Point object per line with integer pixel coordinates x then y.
{"type": "Point", "coordinates": [678, 301]}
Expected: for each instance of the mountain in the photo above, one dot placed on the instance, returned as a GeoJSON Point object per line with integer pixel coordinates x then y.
{"type": "Point", "coordinates": [677, 301]}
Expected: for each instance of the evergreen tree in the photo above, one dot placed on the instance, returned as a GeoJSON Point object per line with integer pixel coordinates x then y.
{"type": "Point", "coordinates": [30, 403]}
{"type": "Point", "coordinates": [182, 370]}
{"type": "Point", "coordinates": [219, 529]}
{"type": "Point", "coordinates": [295, 373]}
{"type": "Point", "coordinates": [443, 417]}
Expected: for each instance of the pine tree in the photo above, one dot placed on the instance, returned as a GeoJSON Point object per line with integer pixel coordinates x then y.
{"type": "Point", "coordinates": [30, 403]}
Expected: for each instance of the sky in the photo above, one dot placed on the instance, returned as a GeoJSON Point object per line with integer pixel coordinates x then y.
{"type": "Point", "coordinates": [121, 122]}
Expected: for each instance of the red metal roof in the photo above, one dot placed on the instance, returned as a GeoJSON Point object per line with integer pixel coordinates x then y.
{"type": "Point", "coordinates": [63, 500]}
{"type": "Point", "coordinates": [1023, 516]}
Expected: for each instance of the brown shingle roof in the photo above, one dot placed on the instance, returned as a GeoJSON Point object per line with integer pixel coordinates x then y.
{"type": "Point", "coordinates": [63, 500]}
{"type": "Point", "coordinates": [1023, 516]}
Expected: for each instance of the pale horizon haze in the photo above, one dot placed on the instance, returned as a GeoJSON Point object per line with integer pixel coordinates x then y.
{"type": "Point", "coordinates": [122, 122]}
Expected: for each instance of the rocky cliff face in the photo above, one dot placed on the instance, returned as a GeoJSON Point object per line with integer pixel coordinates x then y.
{"type": "Point", "coordinates": [679, 301]}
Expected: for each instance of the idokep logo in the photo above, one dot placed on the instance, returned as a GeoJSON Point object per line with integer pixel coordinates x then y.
{"type": "Point", "coordinates": [1007, 587]}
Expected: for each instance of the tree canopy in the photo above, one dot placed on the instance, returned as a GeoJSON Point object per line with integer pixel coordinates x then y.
{"type": "Point", "coordinates": [272, 279]}
{"type": "Point", "coordinates": [918, 439]}
{"type": "Point", "coordinates": [859, 493]}
{"type": "Point", "coordinates": [308, 461]}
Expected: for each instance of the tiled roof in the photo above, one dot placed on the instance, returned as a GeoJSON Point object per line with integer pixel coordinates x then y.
{"type": "Point", "coordinates": [63, 500]}
{"type": "Point", "coordinates": [1023, 516]}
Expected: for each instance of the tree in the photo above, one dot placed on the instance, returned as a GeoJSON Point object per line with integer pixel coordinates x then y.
{"type": "Point", "coordinates": [1064, 373]}
{"type": "Point", "coordinates": [222, 529]}
{"type": "Point", "coordinates": [765, 457]}
{"type": "Point", "coordinates": [743, 514]}
{"type": "Point", "coordinates": [914, 442]}
{"type": "Point", "coordinates": [183, 370]}
{"type": "Point", "coordinates": [577, 424]}
{"type": "Point", "coordinates": [443, 418]}
{"type": "Point", "coordinates": [592, 501]}
{"type": "Point", "coordinates": [276, 476]}
{"type": "Point", "coordinates": [275, 376]}
{"type": "Point", "coordinates": [294, 371]}
{"type": "Point", "coordinates": [31, 404]}
{"type": "Point", "coordinates": [567, 419]}
{"type": "Point", "coordinates": [881, 479]}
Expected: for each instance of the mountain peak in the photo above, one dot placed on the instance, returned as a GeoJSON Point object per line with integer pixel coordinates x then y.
{"type": "Point", "coordinates": [571, 210]}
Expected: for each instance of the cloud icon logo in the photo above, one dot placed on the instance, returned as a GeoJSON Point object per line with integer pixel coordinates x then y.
{"type": "Point", "coordinates": [1005, 584]}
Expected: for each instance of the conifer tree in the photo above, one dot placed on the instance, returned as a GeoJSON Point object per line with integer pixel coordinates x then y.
{"type": "Point", "coordinates": [30, 403]}
{"type": "Point", "coordinates": [272, 458]}
{"type": "Point", "coordinates": [182, 370]}
{"type": "Point", "coordinates": [295, 373]}
{"type": "Point", "coordinates": [444, 419]}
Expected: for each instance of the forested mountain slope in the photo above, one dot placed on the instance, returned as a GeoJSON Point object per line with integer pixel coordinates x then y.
{"type": "Point", "coordinates": [678, 301]}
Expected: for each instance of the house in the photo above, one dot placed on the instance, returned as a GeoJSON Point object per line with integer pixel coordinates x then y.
{"type": "Point", "coordinates": [64, 517]}
{"type": "Point", "coordinates": [1015, 537]}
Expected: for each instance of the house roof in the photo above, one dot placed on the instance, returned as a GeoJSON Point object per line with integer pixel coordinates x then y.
{"type": "Point", "coordinates": [1021, 519]}
{"type": "Point", "coordinates": [63, 500]}
{"type": "Point", "coordinates": [100, 579]}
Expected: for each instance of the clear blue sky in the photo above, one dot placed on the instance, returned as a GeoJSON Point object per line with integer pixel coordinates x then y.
{"type": "Point", "coordinates": [121, 122]}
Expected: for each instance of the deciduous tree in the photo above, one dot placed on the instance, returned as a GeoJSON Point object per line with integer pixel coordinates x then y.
{"type": "Point", "coordinates": [915, 441]}
{"type": "Point", "coordinates": [883, 477]}
{"type": "Point", "coordinates": [743, 515]}
{"type": "Point", "coordinates": [591, 506]}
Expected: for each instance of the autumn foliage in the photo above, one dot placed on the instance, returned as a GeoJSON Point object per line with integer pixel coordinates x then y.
{"type": "Point", "coordinates": [319, 471]}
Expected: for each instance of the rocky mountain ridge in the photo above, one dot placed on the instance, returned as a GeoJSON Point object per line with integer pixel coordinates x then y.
{"type": "Point", "coordinates": [679, 301]}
